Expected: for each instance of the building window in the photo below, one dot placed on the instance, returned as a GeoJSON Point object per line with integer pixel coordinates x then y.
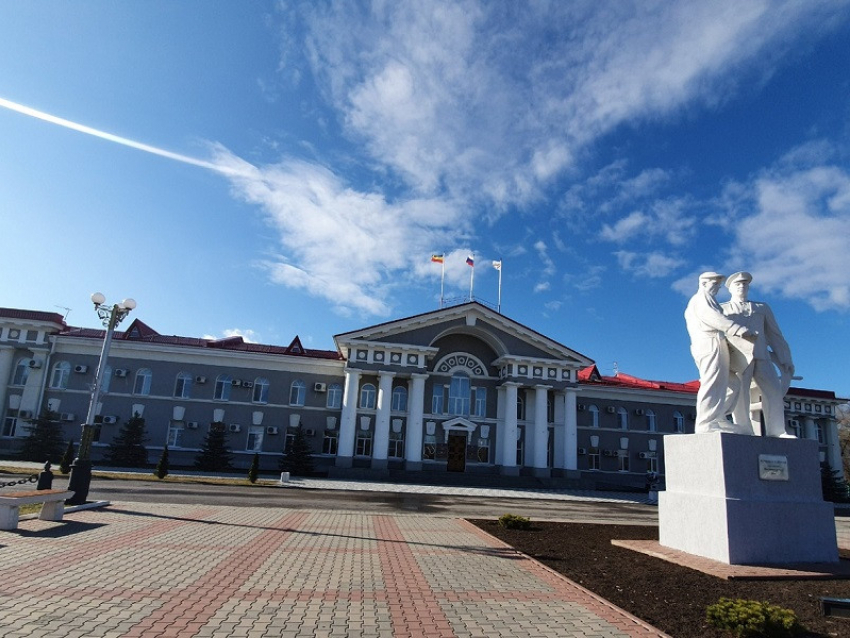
{"type": "Point", "coordinates": [399, 403]}
{"type": "Point", "coordinates": [367, 396]}
{"type": "Point", "coordinates": [288, 441]}
{"type": "Point", "coordinates": [10, 423]}
{"type": "Point", "coordinates": [437, 400]}
{"type": "Point", "coordinates": [594, 416]}
{"type": "Point", "coordinates": [429, 447]}
{"type": "Point", "coordinates": [520, 450]}
{"type": "Point", "coordinates": [593, 459]}
{"type": "Point", "coordinates": [22, 372]}
{"type": "Point", "coordinates": [459, 392]}
{"type": "Point", "coordinates": [483, 453]}
{"type": "Point", "coordinates": [623, 418]}
{"type": "Point", "coordinates": [678, 422]}
{"type": "Point", "coordinates": [480, 405]}
{"type": "Point", "coordinates": [819, 433]}
{"type": "Point", "coordinates": [61, 374]}
{"type": "Point", "coordinates": [622, 460]}
{"type": "Point", "coordinates": [261, 391]}
{"type": "Point", "coordinates": [175, 435]}
{"type": "Point", "coordinates": [652, 464]}
{"type": "Point", "coordinates": [183, 386]}
{"type": "Point", "coordinates": [650, 421]}
{"type": "Point", "coordinates": [223, 383]}
{"type": "Point", "coordinates": [255, 438]}
{"type": "Point", "coordinates": [142, 383]}
{"type": "Point", "coordinates": [334, 396]}
{"type": "Point", "coordinates": [363, 444]}
{"type": "Point", "coordinates": [520, 406]}
{"type": "Point", "coordinates": [796, 428]}
{"type": "Point", "coordinates": [329, 445]}
{"type": "Point", "coordinates": [396, 449]}
{"type": "Point", "coordinates": [297, 392]}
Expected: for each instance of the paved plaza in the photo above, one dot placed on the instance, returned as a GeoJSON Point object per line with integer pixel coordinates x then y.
{"type": "Point", "coordinates": [137, 569]}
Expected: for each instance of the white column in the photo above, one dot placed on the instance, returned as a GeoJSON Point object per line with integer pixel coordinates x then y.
{"type": "Point", "coordinates": [413, 433]}
{"type": "Point", "coordinates": [539, 460]}
{"type": "Point", "coordinates": [382, 420]}
{"type": "Point", "coordinates": [809, 429]}
{"type": "Point", "coordinates": [6, 363]}
{"type": "Point", "coordinates": [570, 430]}
{"type": "Point", "coordinates": [559, 427]}
{"type": "Point", "coordinates": [347, 421]}
{"type": "Point", "coordinates": [507, 437]}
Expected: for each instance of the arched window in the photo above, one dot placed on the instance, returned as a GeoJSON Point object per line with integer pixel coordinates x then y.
{"type": "Point", "coordinates": [399, 403]}
{"type": "Point", "coordinates": [223, 383]}
{"type": "Point", "coordinates": [334, 396]}
{"type": "Point", "coordinates": [297, 392]}
{"type": "Point", "coordinates": [678, 422]}
{"type": "Point", "coordinates": [261, 390]}
{"type": "Point", "coordinates": [367, 396]}
{"type": "Point", "coordinates": [650, 421]}
{"type": "Point", "coordinates": [22, 372]}
{"type": "Point", "coordinates": [819, 433]}
{"type": "Point", "coordinates": [142, 383]}
{"type": "Point", "coordinates": [594, 415]}
{"type": "Point", "coordinates": [61, 374]}
{"type": "Point", "coordinates": [623, 418]}
{"type": "Point", "coordinates": [183, 386]}
{"type": "Point", "coordinates": [459, 391]}
{"type": "Point", "coordinates": [520, 406]}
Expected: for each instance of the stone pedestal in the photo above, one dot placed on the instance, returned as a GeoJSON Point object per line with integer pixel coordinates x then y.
{"type": "Point", "coordinates": [745, 500]}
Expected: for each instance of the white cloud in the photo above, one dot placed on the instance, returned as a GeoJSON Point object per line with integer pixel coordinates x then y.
{"type": "Point", "coordinates": [249, 336]}
{"type": "Point", "coordinates": [652, 265]}
{"type": "Point", "coordinates": [667, 219]}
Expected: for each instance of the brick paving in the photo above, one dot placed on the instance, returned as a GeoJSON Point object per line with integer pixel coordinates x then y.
{"type": "Point", "coordinates": [151, 570]}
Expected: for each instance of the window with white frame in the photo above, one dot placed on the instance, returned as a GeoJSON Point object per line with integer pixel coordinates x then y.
{"type": "Point", "coordinates": [10, 423]}
{"type": "Point", "coordinates": [520, 450]}
{"type": "Point", "coordinates": [32, 336]}
{"type": "Point", "coordinates": [819, 433]}
{"type": "Point", "coordinates": [652, 464]}
{"type": "Point", "coordinates": [297, 392]}
{"type": "Point", "coordinates": [142, 382]}
{"type": "Point", "coordinates": [429, 447]}
{"type": "Point", "coordinates": [260, 394]}
{"type": "Point", "coordinates": [437, 399]}
{"type": "Point", "coordinates": [593, 459]}
{"type": "Point", "coordinates": [223, 384]}
{"type": "Point", "coordinates": [520, 405]}
{"type": "Point", "coordinates": [459, 393]}
{"type": "Point", "coordinates": [678, 422]}
{"type": "Point", "coordinates": [483, 453]}
{"type": "Point", "coordinates": [175, 435]}
{"type": "Point", "coordinates": [255, 438]}
{"type": "Point", "coordinates": [22, 372]}
{"type": "Point", "coordinates": [60, 375]}
{"type": "Point", "coordinates": [396, 447]}
{"type": "Point", "coordinates": [480, 406]}
{"type": "Point", "coordinates": [330, 442]}
{"type": "Point", "coordinates": [399, 402]}
{"type": "Point", "coordinates": [183, 386]}
{"type": "Point", "coordinates": [368, 395]}
{"type": "Point", "coordinates": [623, 418]}
{"type": "Point", "coordinates": [650, 421]}
{"type": "Point", "coordinates": [334, 399]}
{"type": "Point", "coordinates": [550, 409]}
{"type": "Point", "coordinates": [594, 416]}
{"type": "Point", "coordinates": [363, 443]}
{"type": "Point", "coordinates": [288, 441]}
{"type": "Point", "coordinates": [622, 460]}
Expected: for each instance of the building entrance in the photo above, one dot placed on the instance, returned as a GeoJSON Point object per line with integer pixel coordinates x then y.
{"type": "Point", "coordinates": [457, 453]}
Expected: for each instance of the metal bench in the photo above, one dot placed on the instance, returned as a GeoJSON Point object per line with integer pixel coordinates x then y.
{"type": "Point", "coordinates": [52, 509]}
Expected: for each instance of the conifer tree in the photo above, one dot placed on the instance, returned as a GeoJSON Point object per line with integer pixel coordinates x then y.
{"type": "Point", "coordinates": [833, 484]}
{"type": "Point", "coordinates": [215, 455]}
{"type": "Point", "coordinates": [45, 441]}
{"type": "Point", "coordinates": [254, 472]}
{"type": "Point", "coordinates": [127, 448]}
{"type": "Point", "coordinates": [161, 470]}
{"type": "Point", "coordinates": [298, 458]}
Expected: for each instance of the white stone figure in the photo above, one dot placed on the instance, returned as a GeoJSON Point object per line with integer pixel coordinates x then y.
{"type": "Point", "coordinates": [757, 361]}
{"type": "Point", "coordinates": [708, 328]}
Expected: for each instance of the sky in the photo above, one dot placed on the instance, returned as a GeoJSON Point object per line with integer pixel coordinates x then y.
{"type": "Point", "coordinates": [279, 169]}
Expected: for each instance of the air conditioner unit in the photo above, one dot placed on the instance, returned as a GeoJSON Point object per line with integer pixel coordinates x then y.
{"type": "Point", "coordinates": [582, 451]}
{"type": "Point", "coordinates": [110, 420]}
{"type": "Point", "coordinates": [271, 430]}
{"type": "Point", "coordinates": [645, 455]}
{"type": "Point", "coordinates": [34, 363]}
{"type": "Point", "coordinates": [610, 409]}
{"type": "Point", "coordinates": [67, 416]}
{"type": "Point", "coordinates": [200, 380]}
{"type": "Point", "coordinates": [24, 414]}
{"type": "Point", "coordinates": [580, 407]}
{"type": "Point", "coordinates": [640, 412]}
{"type": "Point", "coordinates": [81, 369]}
{"type": "Point", "coordinates": [236, 382]}
{"type": "Point", "coordinates": [310, 432]}
{"type": "Point", "coordinates": [247, 384]}
{"type": "Point", "coordinates": [609, 452]}
{"type": "Point", "coordinates": [234, 427]}
{"type": "Point", "coordinates": [320, 387]}
{"type": "Point", "coordinates": [191, 425]}
{"type": "Point", "coordinates": [121, 373]}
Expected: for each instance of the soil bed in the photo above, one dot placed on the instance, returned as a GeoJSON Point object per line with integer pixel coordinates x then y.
{"type": "Point", "coordinates": [667, 596]}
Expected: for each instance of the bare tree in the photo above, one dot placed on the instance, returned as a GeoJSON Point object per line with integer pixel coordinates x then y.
{"type": "Point", "coordinates": [842, 416]}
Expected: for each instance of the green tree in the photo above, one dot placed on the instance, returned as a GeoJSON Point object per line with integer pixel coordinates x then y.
{"type": "Point", "coordinates": [298, 457]}
{"type": "Point", "coordinates": [161, 470]}
{"type": "Point", "coordinates": [127, 448]}
{"type": "Point", "coordinates": [67, 458]}
{"type": "Point", "coordinates": [215, 455]}
{"type": "Point", "coordinates": [832, 483]}
{"type": "Point", "coordinates": [45, 441]}
{"type": "Point", "coordinates": [254, 472]}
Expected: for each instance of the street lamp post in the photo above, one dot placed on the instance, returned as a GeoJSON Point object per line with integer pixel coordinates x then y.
{"type": "Point", "coordinates": [80, 478]}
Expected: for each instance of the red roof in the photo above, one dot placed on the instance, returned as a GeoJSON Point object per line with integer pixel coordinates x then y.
{"type": "Point", "coordinates": [590, 375]}
{"type": "Point", "coordinates": [32, 315]}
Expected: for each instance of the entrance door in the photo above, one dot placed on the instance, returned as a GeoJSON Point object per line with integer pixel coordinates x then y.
{"type": "Point", "coordinates": [457, 453]}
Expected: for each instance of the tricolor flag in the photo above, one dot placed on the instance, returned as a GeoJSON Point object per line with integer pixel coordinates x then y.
{"type": "Point", "coordinates": [470, 261]}
{"type": "Point", "coordinates": [437, 259]}
{"type": "Point", "coordinates": [497, 264]}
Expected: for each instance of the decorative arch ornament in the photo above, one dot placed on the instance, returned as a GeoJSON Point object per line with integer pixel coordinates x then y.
{"type": "Point", "coordinates": [461, 362]}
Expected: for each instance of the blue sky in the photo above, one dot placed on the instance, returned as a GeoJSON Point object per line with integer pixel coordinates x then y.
{"type": "Point", "coordinates": [279, 169]}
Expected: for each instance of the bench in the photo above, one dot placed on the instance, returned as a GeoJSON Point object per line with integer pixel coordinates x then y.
{"type": "Point", "coordinates": [52, 509]}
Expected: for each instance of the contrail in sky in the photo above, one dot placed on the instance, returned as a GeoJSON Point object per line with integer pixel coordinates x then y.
{"type": "Point", "coordinates": [81, 128]}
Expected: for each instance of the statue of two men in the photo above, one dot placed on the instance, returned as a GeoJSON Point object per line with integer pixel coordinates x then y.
{"type": "Point", "coordinates": [735, 344]}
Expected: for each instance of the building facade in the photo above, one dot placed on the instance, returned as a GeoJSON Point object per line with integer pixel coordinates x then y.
{"type": "Point", "coordinates": [460, 390]}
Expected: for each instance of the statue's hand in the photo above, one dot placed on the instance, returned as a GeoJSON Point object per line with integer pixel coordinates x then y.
{"type": "Point", "coordinates": [750, 335]}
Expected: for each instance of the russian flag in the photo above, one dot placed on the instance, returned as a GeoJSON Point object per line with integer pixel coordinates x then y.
{"type": "Point", "coordinates": [470, 261]}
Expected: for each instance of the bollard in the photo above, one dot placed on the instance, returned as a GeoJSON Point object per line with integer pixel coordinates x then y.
{"type": "Point", "coordinates": [45, 478]}
{"type": "Point", "coordinates": [284, 477]}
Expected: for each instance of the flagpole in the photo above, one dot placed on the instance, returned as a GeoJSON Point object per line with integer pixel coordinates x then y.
{"type": "Point", "coordinates": [471, 279]}
{"type": "Point", "coordinates": [499, 302]}
{"type": "Point", "coordinates": [442, 279]}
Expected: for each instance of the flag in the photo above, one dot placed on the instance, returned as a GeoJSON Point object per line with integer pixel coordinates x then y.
{"type": "Point", "coordinates": [437, 259]}
{"type": "Point", "coordinates": [470, 261]}
{"type": "Point", "coordinates": [497, 264]}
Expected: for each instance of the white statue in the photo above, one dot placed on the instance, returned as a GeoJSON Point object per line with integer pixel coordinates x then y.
{"type": "Point", "coordinates": [708, 328]}
{"type": "Point", "coordinates": [757, 361]}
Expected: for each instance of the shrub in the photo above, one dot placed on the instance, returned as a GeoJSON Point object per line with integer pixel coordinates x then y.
{"type": "Point", "coordinates": [254, 472]}
{"type": "Point", "coordinates": [751, 618]}
{"type": "Point", "coordinates": [512, 521]}
{"type": "Point", "coordinates": [161, 470]}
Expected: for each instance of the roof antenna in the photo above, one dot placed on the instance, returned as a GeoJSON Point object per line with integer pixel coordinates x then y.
{"type": "Point", "coordinates": [66, 309]}
{"type": "Point", "coordinates": [616, 369]}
